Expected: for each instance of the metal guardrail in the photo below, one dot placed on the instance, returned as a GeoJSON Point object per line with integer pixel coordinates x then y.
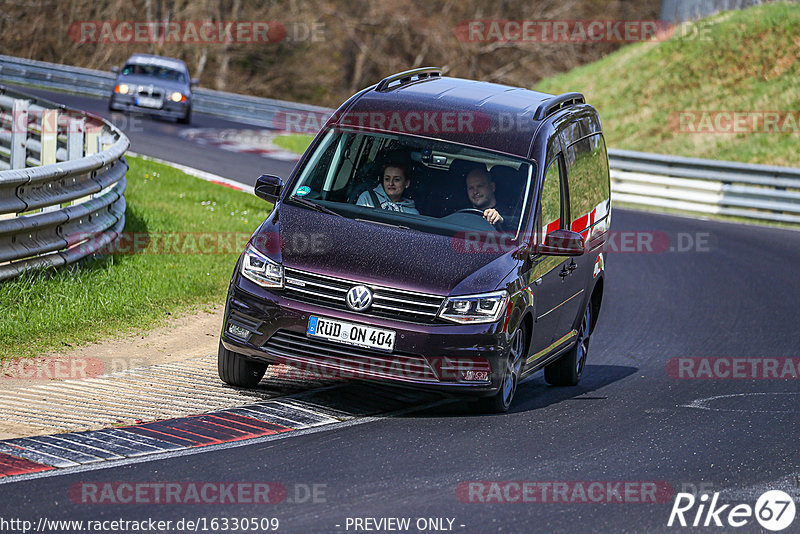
{"type": "Point", "coordinates": [763, 192]}
{"type": "Point", "coordinates": [62, 183]}
{"type": "Point", "coordinates": [758, 192]}
{"type": "Point", "coordinates": [243, 108]}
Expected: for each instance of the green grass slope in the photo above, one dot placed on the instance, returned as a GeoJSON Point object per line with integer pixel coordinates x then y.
{"type": "Point", "coordinates": [744, 61]}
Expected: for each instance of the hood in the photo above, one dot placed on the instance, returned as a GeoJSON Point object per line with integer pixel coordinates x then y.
{"type": "Point", "coordinates": [170, 85]}
{"type": "Point", "coordinates": [370, 253]}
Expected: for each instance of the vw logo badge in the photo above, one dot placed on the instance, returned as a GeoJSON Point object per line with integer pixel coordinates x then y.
{"type": "Point", "coordinates": [359, 298]}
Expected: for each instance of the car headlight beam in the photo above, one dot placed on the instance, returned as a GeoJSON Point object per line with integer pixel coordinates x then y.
{"type": "Point", "coordinates": [261, 270]}
{"type": "Point", "coordinates": [177, 96]}
{"type": "Point", "coordinates": [482, 308]}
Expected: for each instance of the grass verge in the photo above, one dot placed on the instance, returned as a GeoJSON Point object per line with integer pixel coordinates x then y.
{"type": "Point", "coordinates": [740, 61]}
{"type": "Point", "coordinates": [195, 231]}
{"type": "Point", "coordinates": [296, 143]}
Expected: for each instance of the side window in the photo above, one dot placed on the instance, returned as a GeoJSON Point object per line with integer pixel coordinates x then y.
{"type": "Point", "coordinates": [551, 199]}
{"type": "Point", "coordinates": [587, 174]}
{"type": "Point", "coordinates": [600, 157]}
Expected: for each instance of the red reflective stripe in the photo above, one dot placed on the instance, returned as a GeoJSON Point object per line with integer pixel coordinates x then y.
{"type": "Point", "coordinates": [508, 315]}
{"type": "Point", "coordinates": [584, 222]}
{"type": "Point", "coordinates": [579, 225]}
{"type": "Point", "coordinates": [553, 226]}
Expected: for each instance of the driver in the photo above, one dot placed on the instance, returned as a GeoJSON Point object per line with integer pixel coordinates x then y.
{"type": "Point", "coordinates": [480, 190]}
{"type": "Point", "coordinates": [389, 193]}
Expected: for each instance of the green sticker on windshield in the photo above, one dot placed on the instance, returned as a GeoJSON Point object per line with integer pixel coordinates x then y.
{"type": "Point", "coordinates": [303, 191]}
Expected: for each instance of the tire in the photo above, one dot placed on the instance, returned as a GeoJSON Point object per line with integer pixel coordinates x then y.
{"type": "Point", "coordinates": [186, 119]}
{"type": "Point", "coordinates": [236, 370]}
{"type": "Point", "coordinates": [501, 401]}
{"type": "Point", "coordinates": [567, 370]}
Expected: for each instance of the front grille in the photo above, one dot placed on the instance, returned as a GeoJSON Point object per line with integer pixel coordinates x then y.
{"type": "Point", "coordinates": [325, 357]}
{"type": "Point", "coordinates": [386, 302]}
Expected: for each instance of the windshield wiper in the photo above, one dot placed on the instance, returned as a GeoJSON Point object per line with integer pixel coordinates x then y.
{"type": "Point", "coordinates": [313, 205]}
{"type": "Point", "coordinates": [383, 223]}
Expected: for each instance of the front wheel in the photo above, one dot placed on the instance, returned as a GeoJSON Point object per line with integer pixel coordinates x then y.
{"type": "Point", "coordinates": [567, 370]}
{"type": "Point", "coordinates": [187, 118]}
{"type": "Point", "coordinates": [500, 402]}
{"type": "Point", "coordinates": [236, 370]}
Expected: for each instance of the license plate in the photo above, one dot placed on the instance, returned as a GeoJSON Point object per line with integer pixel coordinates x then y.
{"type": "Point", "coordinates": [148, 102]}
{"type": "Point", "coordinates": [351, 333]}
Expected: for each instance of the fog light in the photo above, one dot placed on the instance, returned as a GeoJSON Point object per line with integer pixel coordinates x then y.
{"type": "Point", "coordinates": [238, 331]}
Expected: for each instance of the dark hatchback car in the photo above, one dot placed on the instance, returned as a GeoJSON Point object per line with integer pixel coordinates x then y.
{"type": "Point", "coordinates": [438, 232]}
{"type": "Point", "coordinates": [155, 85]}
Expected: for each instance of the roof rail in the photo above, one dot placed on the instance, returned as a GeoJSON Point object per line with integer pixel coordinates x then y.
{"type": "Point", "coordinates": [548, 107]}
{"type": "Point", "coordinates": [407, 77]}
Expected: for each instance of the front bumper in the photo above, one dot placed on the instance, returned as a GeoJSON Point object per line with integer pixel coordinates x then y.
{"type": "Point", "coordinates": [432, 356]}
{"type": "Point", "coordinates": [170, 109]}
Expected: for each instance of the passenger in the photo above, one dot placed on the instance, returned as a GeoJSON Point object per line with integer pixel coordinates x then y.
{"type": "Point", "coordinates": [389, 193]}
{"type": "Point", "coordinates": [480, 190]}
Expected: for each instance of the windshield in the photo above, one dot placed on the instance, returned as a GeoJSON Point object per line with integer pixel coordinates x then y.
{"type": "Point", "coordinates": [155, 71]}
{"type": "Point", "coordinates": [414, 182]}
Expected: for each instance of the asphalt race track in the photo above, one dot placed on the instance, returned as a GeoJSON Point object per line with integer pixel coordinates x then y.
{"type": "Point", "coordinates": [725, 290]}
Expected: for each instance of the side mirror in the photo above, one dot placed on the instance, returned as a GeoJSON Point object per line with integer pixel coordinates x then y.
{"type": "Point", "coordinates": [269, 187]}
{"type": "Point", "coordinates": [194, 81]}
{"type": "Point", "coordinates": [115, 69]}
{"type": "Point", "coordinates": [562, 243]}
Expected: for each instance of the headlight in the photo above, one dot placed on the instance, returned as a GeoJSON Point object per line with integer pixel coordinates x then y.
{"type": "Point", "coordinates": [177, 96]}
{"type": "Point", "coordinates": [261, 270]}
{"type": "Point", "coordinates": [484, 308]}
{"type": "Point", "coordinates": [122, 89]}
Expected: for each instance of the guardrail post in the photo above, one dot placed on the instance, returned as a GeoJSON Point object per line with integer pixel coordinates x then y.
{"type": "Point", "coordinates": [92, 147]}
{"type": "Point", "coordinates": [19, 133]}
{"type": "Point", "coordinates": [75, 138]}
{"type": "Point", "coordinates": [92, 141]}
{"type": "Point", "coordinates": [49, 136]}
{"type": "Point", "coordinates": [75, 134]}
{"type": "Point", "coordinates": [49, 146]}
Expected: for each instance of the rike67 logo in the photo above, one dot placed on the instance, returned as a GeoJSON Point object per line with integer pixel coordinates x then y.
{"type": "Point", "coordinates": [774, 510]}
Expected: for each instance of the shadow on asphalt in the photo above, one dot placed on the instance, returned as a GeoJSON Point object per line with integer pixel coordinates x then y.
{"type": "Point", "coordinates": [535, 394]}
{"type": "Point", "coordinates": [364, 398]}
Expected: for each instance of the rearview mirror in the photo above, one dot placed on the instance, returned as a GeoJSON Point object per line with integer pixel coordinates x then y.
{"type": "Point", "coordinates": [562, 243]}
{"type": "Point", "coordinates": [115, 69]}
{"type": "Point", "coordinates": [194, 81]}
{"type": "Point", "coordinates": [269, 187]}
